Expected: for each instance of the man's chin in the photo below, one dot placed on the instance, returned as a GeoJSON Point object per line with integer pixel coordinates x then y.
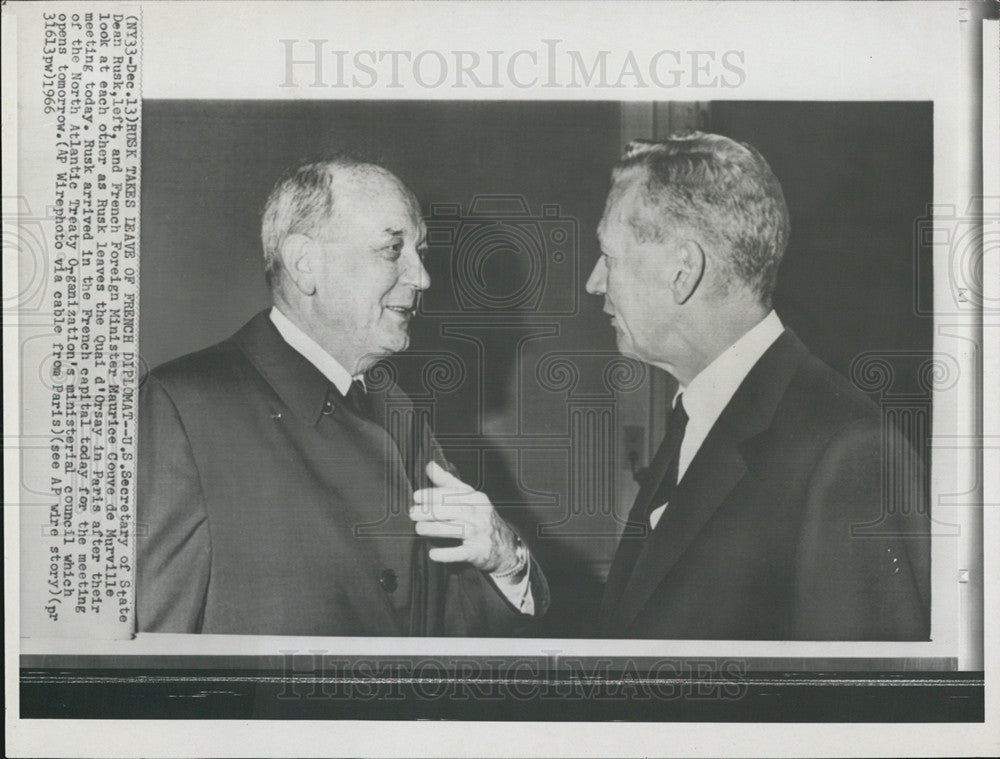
{"type": "Point", "coordinates": [386, 348]}
{"type": "Point", "coordinates": [627, 348]}
{"type": "Point", "coordinates": [397, 343]}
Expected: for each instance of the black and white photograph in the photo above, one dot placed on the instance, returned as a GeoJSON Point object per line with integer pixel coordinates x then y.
{"type": "Point", "coordinates": [420, 383]}
{"type": "Point", "coordinates": [396, 376]}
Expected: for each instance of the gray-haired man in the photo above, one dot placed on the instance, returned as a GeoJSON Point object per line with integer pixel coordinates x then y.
{"type": "Point", "coordinates": [762, 515]}
{"type": "Point", "coordinates": [276, 499]}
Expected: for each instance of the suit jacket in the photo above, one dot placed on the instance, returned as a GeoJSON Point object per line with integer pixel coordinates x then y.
{"type": "Point", "coordinates": [777, 530]}
{"type": "Point", "coordinates": [268, 506]}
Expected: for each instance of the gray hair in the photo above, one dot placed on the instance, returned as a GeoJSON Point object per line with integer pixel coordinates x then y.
{"type": "Point", "coordinates": [302, 202]}
{"type": "Point", "coordinates": [722, 189]}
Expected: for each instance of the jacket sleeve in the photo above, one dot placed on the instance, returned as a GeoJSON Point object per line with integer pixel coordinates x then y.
{"type": "Point", "coordinates": [863, 560]}
{"type": "Point", "coordinates": [173, 555]}
{"type": "Point", "coordinates": [474, 607]}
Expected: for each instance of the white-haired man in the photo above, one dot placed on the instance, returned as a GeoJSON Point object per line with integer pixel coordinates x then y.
{"type": "Point", "coordinates": [273, 496]}
{"type": "Point", "coordinates": [762, 514]}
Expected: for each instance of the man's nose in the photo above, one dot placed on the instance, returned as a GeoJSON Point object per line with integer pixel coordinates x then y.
{"type": "Point", "coordinates": [416, 275]}
{"type": "Point", "coordinates": [598, 279]}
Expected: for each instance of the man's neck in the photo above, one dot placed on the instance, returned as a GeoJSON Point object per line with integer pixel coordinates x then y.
{"type": "Point", "coordinates": [305, 322]}
{"type": "Point", "coordinates": [713, 333]}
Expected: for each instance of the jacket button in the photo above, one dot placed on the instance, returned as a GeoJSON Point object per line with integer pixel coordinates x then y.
{"type": "Point", "coordinates": [388, 580]}
{"type": "Point", "coordinates": [328, 408]}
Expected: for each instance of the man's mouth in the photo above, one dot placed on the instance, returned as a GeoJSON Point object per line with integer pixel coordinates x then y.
{"type": "Point", "coordinates": [405, 311]}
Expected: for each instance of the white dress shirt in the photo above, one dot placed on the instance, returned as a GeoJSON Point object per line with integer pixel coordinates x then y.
{"type": "Point", "coordinates": [330, 367]}
{"type": "Point", "coordinates": [518, 593]}
{"type": "Point", "coordinates": [708, 394]}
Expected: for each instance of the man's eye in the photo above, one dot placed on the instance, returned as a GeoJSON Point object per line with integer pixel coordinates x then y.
{"type": "Point", "coordinates": [393, 251]}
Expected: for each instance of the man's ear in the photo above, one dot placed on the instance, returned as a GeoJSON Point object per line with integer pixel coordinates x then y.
{"type": "Point", "coordinates": [299, 260]}
{"type": "Point", "coordinates": [688, 271]}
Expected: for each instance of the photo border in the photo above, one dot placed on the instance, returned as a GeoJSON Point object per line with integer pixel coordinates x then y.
{"type": "Point", "coordinates": [104, 688]}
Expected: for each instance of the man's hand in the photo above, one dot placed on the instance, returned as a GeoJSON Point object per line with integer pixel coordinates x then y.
{"type": "Point", "coordinates": [452, 509]}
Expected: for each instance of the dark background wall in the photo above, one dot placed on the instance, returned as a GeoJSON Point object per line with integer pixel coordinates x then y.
{"type": "Point", "coordinates": [209, 166]}
{"type": "Point", "coordinates": [857, 178]}
{"type": "Point", "coordinates": [505, 316]}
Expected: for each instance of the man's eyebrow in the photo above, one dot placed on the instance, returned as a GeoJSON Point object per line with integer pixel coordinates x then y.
{"type": "Point", "coordinates": [393, 232]}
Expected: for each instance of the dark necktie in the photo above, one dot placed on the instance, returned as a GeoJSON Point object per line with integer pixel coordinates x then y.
{"type": "Point", "coordinates": [357, 398]}
{"type": "Point", "coordinates": [665, 465]}
{"type": "Point", "coordinates": [672, 440]}
{"type": "Point", "coordinates": [412, 442]}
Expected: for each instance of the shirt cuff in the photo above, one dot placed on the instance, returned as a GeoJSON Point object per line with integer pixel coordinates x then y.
{"type": "Point", "coordinates": [518, 593]}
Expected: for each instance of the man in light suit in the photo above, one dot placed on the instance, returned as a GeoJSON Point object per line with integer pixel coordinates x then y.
{"type": "Point", "coordinates": [762, 514]}
{"type": "Point", "coordinates": [278, 496]}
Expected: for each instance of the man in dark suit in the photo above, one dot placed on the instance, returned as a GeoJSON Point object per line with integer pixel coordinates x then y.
{"type": "Point", "coordinates": [762, 515]}
{"type": "Point", "coordinates": [276, 492]}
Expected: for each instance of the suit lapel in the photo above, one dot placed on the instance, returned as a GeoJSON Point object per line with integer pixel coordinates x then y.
{"type": "Point", "coordinates": [302, 387]}
{"type": "Point", "coordinates": [637, 530]}
{"type": "Point", "coordinates": [713, 473]}
{"type": "Point", "coordinates": [652, 481]}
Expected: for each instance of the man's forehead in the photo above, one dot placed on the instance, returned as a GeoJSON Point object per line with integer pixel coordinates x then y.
{"type": "Point", "coordinates": [624, 194]}
{"type": "Point", "coordinates": [379, 202]}
{"type": "Point", "coordinates": [401, 216]}
{"type": "Point", "coordinates": [617, 208]}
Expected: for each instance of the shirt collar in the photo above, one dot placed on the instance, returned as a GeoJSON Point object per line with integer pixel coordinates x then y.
{"type": "Point", "coordinates": [332, 369]}
{"type": "Point", "coordinates": [709, 393]}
